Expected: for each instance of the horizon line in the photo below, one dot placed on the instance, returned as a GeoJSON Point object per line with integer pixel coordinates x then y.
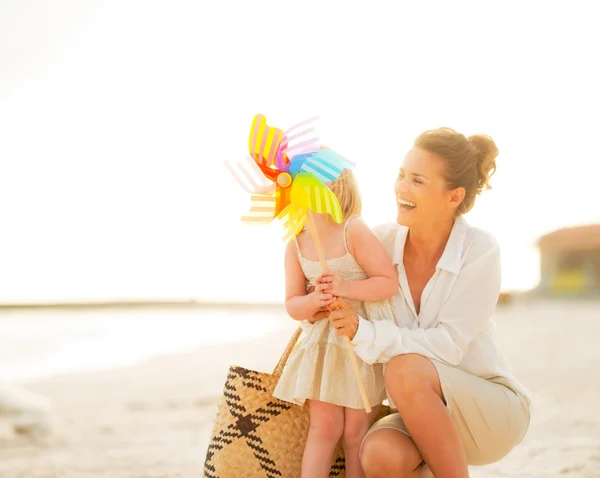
{"type": "Point", "coordinates": [166, 303]}
{"type": "Point", "coordinates": [136, 303]}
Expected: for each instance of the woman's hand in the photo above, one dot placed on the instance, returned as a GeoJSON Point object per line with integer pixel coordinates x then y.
{"type": "Point", "coordinates": [344, 320]}
{"type": "Point", "coordinates": [337, 285]}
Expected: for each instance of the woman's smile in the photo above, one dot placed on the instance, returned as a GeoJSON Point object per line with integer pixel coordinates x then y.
{"type": "Point", "coordinates": [405, 206]}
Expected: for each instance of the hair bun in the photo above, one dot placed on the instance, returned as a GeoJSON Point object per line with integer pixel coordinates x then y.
{"type": "Point", "coordinates": [487, 152]}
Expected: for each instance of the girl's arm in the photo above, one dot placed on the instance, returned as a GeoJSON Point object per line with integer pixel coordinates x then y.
{"type": "Point", "coordinates": [371, 255]}
{"type": "Point", "coordinates": [298, 304]}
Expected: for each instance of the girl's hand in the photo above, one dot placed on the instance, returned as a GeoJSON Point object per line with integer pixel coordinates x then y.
{"type": "Point", "coordinates": [320, 299]}
{"type": "Point", "coordinates": [320, 315]}
{"type": "Point", "coordinates": [335, 282]}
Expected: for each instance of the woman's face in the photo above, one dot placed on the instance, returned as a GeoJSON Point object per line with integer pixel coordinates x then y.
{"type": "Point", "coordinates": [422, 193]}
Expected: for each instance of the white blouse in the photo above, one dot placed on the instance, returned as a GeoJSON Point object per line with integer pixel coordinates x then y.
{"type": "Point", "coordinates": [454, 324]}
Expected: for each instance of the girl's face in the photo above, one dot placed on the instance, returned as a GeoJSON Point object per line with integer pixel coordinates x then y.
{"type": "Point", "coordinates": [422, 192]}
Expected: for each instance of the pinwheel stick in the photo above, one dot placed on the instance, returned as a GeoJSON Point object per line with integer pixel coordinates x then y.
{"type": "Point", "coordinates": [338, 304]}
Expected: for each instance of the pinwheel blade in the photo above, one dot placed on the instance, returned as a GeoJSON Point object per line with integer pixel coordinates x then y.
{"type": "Point", "coordinates": [325, 164]}
{"type": "Point", "coordinates": [293, 219]}
{"type": "Point", "coordinates": [300, 139]}
{"type": "Point", "coordinates": [262, 209]}
{"type": "Point", "coordinates": [249, 176]}
{"type": "Point", "coordinates": [308, 192]}
{"type": "Point", "coordinates": [264, 141]}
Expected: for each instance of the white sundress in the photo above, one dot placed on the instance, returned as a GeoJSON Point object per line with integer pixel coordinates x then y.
{"type": "Point", "coordinates": [319, 367]}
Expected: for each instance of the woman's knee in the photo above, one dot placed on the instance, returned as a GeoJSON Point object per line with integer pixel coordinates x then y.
{"type": "Point", "coordinates": [408, 376]}
{"type": "Point", "coordinates": [388, 452]}
{"type": "Point", "coordinates": [378, 459]}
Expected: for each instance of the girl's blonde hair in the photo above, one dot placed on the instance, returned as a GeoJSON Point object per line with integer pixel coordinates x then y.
{"type": "Point", "coordinates": [346, 190]}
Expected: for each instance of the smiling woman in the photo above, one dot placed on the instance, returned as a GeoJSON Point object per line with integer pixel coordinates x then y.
{"type": "Point", "coordinates": [463, 169]}
{"type": "Point", "coordinates": [456, 399]}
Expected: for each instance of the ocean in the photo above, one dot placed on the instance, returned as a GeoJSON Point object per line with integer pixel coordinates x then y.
{"type": "Point", "coordinates": [37, 343]}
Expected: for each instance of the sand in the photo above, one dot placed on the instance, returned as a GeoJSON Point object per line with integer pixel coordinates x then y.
{"type": "Point", "coordinates": [153, 420]}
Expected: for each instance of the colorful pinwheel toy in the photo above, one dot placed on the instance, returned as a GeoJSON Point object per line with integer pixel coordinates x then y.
{"type": "Point", "coordinates": [285, 175]}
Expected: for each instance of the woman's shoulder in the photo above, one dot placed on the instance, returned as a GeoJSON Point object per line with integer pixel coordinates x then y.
{"type": "Point", "coordinates": [478, 241]}
{"type": "Point", "coordinates": [387, 231]}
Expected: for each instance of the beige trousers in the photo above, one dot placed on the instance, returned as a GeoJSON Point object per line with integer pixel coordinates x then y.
{"type": "Point", "coordinates": [491, 418]}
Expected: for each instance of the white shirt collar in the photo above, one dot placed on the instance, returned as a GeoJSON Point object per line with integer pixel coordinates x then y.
{"type": "Point", "coordinates": [451, 257]}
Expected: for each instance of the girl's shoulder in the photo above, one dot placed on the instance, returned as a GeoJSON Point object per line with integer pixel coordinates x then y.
{"type": "Point", "coordinates": [385, 232]}
{"type": "Point", "coordinates": [356, 224]}
{"type": "Point", "coordinates": [357, 231]}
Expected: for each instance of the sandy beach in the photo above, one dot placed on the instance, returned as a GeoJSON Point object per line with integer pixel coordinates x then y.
{"type": "Point", "coordinates": [153, 419]}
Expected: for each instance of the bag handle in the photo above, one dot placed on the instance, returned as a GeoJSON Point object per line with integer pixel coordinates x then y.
{"type": "Point", "coordinates": [287, 352]}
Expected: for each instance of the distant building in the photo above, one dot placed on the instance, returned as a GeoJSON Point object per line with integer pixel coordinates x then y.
{"type": "Point", "coordinates": [570, 261]}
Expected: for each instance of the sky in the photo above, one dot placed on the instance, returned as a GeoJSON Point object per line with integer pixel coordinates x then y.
{"type": "Point", "coordinates": [116, 118]}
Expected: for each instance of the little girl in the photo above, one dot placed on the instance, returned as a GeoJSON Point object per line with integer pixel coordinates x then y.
{"type": "Point", "coordinates": [319, 369]}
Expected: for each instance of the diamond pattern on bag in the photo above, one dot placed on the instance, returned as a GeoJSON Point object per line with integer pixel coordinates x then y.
{"type": "Point", "coordinates": [255, 435]}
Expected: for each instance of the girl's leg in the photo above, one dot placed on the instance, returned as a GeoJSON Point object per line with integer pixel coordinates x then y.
{"type": "Point", "coordinates": [324, 433]}
{"type": "Point", "coordinates": [356, 425]}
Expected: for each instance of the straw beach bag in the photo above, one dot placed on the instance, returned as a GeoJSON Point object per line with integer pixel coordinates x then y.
{"type": "Point", "coordinates": [257, 435]}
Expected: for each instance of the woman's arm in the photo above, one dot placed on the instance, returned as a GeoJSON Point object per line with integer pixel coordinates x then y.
{"type": "Point", "coordinates": [464, 315]}
{"type": "Point", "coordinates": [298, 304]}
{"type": "Point", "coordinates": [371, 256]}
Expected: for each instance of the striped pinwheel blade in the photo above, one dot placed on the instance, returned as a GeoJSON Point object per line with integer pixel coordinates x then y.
{"type": "Point", "coordinates": [325, 164]}
{"type": "Point", "coordinates": [264, 141]}
{"type": "Point", "coordinates": [293, 218]}
{"type": "Point", "coordinates": [249, 176]}
{"type": "Point", "coordinates": [262, 209]}
{"type": "Point", "coordinates": [300, 139]}
{"type": "Point", "coordinates": [309, 192]}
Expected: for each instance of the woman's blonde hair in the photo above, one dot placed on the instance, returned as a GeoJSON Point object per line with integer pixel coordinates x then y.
{"type": "Point", "coordinates": [470, 162]}
{"type": "Point", "coordinates": [346, 190]}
